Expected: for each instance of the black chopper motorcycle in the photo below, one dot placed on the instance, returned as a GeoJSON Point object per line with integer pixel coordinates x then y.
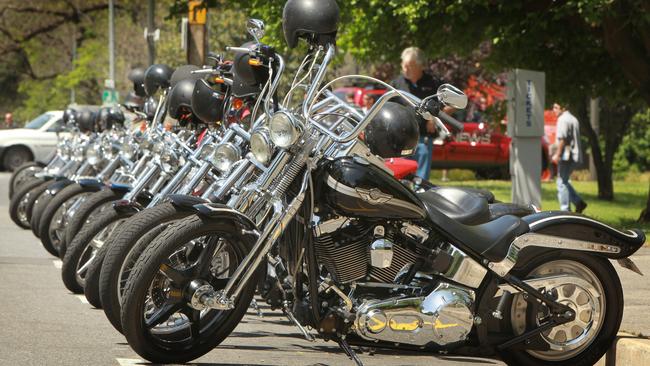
{"type": "Point", "coordinates": [378, 265]}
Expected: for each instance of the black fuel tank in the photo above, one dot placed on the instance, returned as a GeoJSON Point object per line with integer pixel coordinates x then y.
{"type": "Point", "coordinates": [351, 186]}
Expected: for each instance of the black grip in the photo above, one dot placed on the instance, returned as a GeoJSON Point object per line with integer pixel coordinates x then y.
{"type": "Point", "coordinates": [453, 122]}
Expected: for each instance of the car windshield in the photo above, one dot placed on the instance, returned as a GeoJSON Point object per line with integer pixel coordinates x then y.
{"type": "Point", "coordinates": [39, 121]}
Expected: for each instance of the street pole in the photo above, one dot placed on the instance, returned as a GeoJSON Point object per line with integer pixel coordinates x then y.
{"type": "Point", "coordinates": [74, 58]}
{"type": "Point", "coordinates": [151, 26]}
{"type": "Point", "coordinates": [197, 35]}
{"type": "Point", "coordinates": [111, 45]}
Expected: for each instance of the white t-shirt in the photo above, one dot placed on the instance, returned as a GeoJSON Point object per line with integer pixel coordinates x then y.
{"type": "Point", "coordinates": [568, 129]}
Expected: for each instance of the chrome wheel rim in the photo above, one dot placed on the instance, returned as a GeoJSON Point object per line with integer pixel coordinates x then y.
{"type": "Point", "coordinates": [569, 339]}
{"type": "Point", "coordinates": [90, 252]}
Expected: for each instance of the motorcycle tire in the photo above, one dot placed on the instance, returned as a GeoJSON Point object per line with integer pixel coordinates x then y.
{"type": "Point", "coordinates": [91, 289]}
{"type": "Point", "coordinates": [22, 175]}
{"type": "Point", "coordinates": [39, 207]}
{"type": "Point", "coordinates": [158, 345]}
{"type": "Point", "coordinates": [123, 250]}
{"type": "Point", "coordinates": [23, 200]}
{"type": "Point", "coordinates": [66, 195]}
{"type": "Point", "coordinates": [83, 249]}
{"type": "Point", "coordinates": [600, 270]}
{"type": "Point", "coordinates": [83, 214]}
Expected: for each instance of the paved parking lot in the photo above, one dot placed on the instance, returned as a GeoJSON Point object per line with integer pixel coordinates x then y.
{"type": "Point", "coordinates": [44, 324]}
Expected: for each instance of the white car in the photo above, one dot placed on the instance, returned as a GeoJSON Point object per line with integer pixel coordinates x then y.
{"type": "Point", "coordinates": [35, 142]}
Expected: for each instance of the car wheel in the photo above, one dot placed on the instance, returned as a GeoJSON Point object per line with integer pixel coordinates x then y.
{"type": "Point", "coordinates": [15, 157]}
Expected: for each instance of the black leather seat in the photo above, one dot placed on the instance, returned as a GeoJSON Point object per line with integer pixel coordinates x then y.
{"type": "Point", "coordinates": [459, 204]}
{"type": "Point", "coordinates": [491, 239]}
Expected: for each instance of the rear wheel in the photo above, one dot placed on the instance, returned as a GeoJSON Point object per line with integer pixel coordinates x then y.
{"type": "Point", "coordinates": [598, 303]}
{"type": "Point", "coordinates": [124, 249]}
{"type": "Point", "coordinates": [159, 318]}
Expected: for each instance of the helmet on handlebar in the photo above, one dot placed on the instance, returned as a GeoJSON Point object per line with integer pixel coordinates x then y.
{"type": "Point", "coordinates": [69, 116]}
{"type": "Point", "coordinates": [86, 119]}
{"type": "Point", "coordinates": [109, 117]}
{"type": "Point", "coordinates": [137, 77]}
{"type": "Point", "coordinates": [207, 103]}
{"type": "Point", "coordinates": [316, 20]}
{"type": "Point", "coordinates": [247, 79]}
{"type": "Point", "coordinates": [184, 72]}
{"type": "Point", "coordinates": [157, 77]}
{"type": "Point", "coordinates": [393, 132]}
{"type": "Point", "coordinates": [180, 99]}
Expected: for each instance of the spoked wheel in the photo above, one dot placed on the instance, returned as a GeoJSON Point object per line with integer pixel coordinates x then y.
{"type": "Point", "coordinates": [22, 175]}
{"type": "Point", "coordinates": [56, 229]}
{"type": "Point", "coordinates": [597, 301]}
{"type": "Point", "coordinates": [162, 317]}
{"type": "Point", "coordinates": [20, 207]}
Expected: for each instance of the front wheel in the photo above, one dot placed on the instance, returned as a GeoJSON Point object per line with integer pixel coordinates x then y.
{"type": "Point", "coordinates": [598, 303]}
{"type": "Point", "coordinates": [157, 319]}
{"type": "Point", "coordinates": [22, 175]}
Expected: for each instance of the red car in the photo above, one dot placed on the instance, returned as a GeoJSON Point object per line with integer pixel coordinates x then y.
{"type": "Point", "coordinates": [479, 147]}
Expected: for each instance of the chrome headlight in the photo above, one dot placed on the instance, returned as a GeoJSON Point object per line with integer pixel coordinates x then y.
{"type": "Point", "coordinates": [284, 129]}
{"type": "Point", "coordinates": [128, 151]}
{"type": "Point", "coordinates": [261, 145]}
{"type": "Point", "coordinates": [225, 155]}
{"type": "Point", "coordinates": [93, 154]}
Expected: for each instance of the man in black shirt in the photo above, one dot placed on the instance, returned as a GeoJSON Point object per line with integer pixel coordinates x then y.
{"type": "Point", "coordinates": [415, 81]}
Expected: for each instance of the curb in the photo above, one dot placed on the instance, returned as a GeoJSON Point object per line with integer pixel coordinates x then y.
{"type": "Point", "coordinates": [627, 349]}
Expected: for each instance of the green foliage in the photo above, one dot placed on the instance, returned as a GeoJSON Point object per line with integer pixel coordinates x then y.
{"type": "Point", "coordinates": [634, 152]}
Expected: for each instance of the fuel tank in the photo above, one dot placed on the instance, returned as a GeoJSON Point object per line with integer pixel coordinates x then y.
{"type": "Point", "coordinates": [351, 186]}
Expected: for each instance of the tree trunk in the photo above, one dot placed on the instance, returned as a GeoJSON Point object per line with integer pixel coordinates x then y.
{"type": "Point", "coordinates": [645, 214]}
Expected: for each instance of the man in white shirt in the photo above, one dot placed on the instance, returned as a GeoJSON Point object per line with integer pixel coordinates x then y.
{"type": "Point", "coordinates": [567, 156]}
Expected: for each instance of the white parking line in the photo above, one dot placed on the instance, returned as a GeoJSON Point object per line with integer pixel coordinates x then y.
{"type": "Point", "coordinates": [82, 298]}
{"type": "Point", "coordinates": [129, 361]}
{"type": "Point", "coordinates": [57, 263]}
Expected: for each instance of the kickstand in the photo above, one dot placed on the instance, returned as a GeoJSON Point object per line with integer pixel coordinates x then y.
{"type": "Point", "coordinates": [256, 308]}
{"type": "Point", "coordinates": [350, 352]}
{"type": "Point", "coordinates": [289, 314]}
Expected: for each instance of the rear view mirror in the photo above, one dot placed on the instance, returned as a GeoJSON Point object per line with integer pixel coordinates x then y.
{"type": "Point", "coordinates": [255, 28]}
{"type": "Point", "coordinates": [451, 96]}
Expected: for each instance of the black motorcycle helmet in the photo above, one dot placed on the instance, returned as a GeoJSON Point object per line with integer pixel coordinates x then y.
{"type": "Point", "coordinates": [207, 103]}
{"type": "Point", "coordinates": [180, 99]}
{"type": "Point", "coordinates": [110, 117]}
{"type": "Point", "coordinates": [86, 119]}
{"type": "Point", "coordinates": [393, 132]}
{"type": "Point", "coordinates": [69, 116]}
{"type": "Point", "coordinates": [316, 20]}
{"type": "Point", "coordinates": [149, 108]}
{"type": "Point", "coordinates": [157, 77]}
{"type": "Point", "coordinates": [184, 72]}
{"type": "Point", "coordinates": [247, 79]}
{"type": "Point", "coordinates": [137, 77]}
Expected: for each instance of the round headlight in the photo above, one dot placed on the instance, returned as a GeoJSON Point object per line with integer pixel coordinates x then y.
{"type": "Point", "coordinates": [93, 154]}
{"type": "Point", "coordinates": [284, 129]}
{"type": "Point", "coordinates": [128, 151]}
{"type": "Point", "coordinates": [261, 146]}
{"type": "Point", "coordinates": [225, 156]}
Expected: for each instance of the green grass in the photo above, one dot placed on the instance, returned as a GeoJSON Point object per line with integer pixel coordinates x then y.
{"type": "Point", "coordinates": [623, 212]}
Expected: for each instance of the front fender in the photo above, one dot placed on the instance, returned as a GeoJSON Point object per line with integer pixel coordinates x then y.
{"type": "Point", "coordinates": [574, 226]}
{"type": "Point", "coordinates": [91, 183]}
{"type": "Point", "coordinates": [185, 201]}
{"type": "Point", "coordinates": [57, 186]}
{"type": "Point", "coordinates": [221, 211]}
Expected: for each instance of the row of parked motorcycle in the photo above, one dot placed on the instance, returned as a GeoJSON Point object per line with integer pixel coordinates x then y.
{"type": "Point", "coordinates": [173, 230]}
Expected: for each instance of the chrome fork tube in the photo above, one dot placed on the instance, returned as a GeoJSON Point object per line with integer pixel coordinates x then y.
{"type": "Point", "coordinates": [196, 179]}
{"type": "Point", "coordinates": [272, 231]}
{"type": "Point", "coordinates": [159, 183]}
{"type": "Point", "coordinates": [232, 178]}
{"type": "Point", "coordinates": [109, 169]}
{"type": "Point", "coordinates": [149, 174]}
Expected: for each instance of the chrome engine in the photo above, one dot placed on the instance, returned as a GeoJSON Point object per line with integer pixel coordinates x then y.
{"type": "Point", "coordinates": [443, 317]}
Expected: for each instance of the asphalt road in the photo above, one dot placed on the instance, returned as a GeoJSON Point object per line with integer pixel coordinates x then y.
{"type": "Point", "coordinates": [44, 324]}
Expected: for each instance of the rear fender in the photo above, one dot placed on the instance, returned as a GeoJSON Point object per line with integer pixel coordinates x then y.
{"type": "Point", "coordinates": [221, 211]}
{"type": "Point", "coordinates": [577, 227]}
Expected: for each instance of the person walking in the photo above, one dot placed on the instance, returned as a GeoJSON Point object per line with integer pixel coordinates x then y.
{"type": "Point", "coordinates": [415, 81]}
{"type": "Point", "coordinates": [9, 120]}
{"type": "Point", "coordinates": [567, 156]}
